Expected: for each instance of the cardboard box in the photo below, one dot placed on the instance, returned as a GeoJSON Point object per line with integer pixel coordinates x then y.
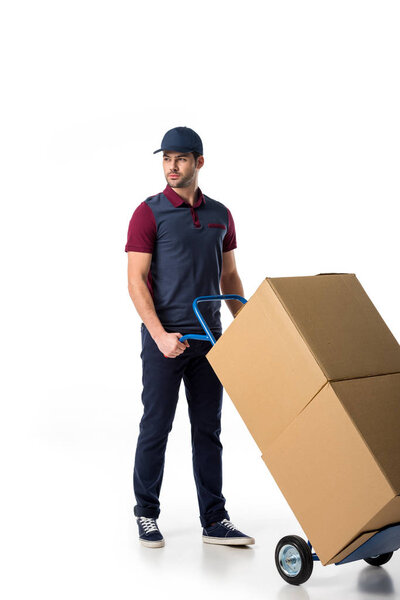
{"type": "Point", "coordinates": [315, 374]}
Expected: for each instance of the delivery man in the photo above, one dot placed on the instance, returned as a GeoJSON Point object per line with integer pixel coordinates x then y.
{"type": "Point", "coordinates": [181, 245]}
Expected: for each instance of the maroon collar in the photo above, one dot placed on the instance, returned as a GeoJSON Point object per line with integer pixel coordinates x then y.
{"type": "Point", "coordinates": [176, 200]}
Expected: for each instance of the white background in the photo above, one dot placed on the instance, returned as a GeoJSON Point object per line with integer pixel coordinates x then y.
{"type": "Point", "coordinates": [297, 104]}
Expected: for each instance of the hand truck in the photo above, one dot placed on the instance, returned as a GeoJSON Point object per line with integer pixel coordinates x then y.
{"type": "Point", "coordinates": [294, 557]}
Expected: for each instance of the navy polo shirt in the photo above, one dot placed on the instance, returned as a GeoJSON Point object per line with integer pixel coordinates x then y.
{"type": "Point", "coordinates": [186, 243]}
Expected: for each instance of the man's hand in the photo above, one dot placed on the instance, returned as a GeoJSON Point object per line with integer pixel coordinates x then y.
{"type": "Point", "coordinates": [169, 344]}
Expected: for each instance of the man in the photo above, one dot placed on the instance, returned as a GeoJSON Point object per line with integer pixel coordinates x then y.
{"type": "Point", "coordinates": [181, 245]}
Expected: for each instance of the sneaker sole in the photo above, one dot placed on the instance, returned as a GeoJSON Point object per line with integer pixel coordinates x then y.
{"type": "Point", "coordinates": [152, 544]}
{"type": "Point", "coordinates": [243, 541]}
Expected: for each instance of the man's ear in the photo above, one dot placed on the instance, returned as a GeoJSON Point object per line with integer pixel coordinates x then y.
{"type": "Point", "coordinates": [200, 162]}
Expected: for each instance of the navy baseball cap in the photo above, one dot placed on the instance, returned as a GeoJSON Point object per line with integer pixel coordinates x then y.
{"type": "Point", "coordinates": [181, 139]}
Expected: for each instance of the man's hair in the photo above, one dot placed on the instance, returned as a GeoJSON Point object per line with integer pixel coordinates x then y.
{"type": "Point", "coordinates": [196, 156]}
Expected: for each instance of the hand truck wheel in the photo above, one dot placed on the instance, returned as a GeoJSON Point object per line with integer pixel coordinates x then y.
{"type": "Point", "coordinates": [293, 559]}
{"type": "Point", "coordinates": [380, 559]}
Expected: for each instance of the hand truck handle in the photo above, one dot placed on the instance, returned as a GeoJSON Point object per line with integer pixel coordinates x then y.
{"type": "Point", "coordinates": [209, 336]}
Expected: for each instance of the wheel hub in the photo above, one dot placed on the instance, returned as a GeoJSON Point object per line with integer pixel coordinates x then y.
{"type": "Point", "coordinates": [290, 560]}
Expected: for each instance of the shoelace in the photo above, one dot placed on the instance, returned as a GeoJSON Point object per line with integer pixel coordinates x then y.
{"type": "Point", "coordinates": [228, 524]}
{"type": "Point", "coordinates": [148, 523]}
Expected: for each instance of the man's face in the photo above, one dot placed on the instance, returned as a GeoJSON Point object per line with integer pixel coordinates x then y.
{"type": "Point", "coordinates": [180, 168]}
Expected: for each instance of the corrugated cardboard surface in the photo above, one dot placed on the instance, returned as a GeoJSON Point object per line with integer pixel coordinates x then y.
{"type": "Point", "coordinates": [387, 516]}
{"type": "Point", "coordinates": [293, 335]}
{"type": "Point", "coordinates": [303, 363]}
{"type": "Point", "coordinates": [340, 325]}
{"type": "Point", "coordinates": [265, 366]}
{"type": "Point", "coordinates": [326, 470]}
{"type": "Point", "coordinates": [351, 547]}
{"type": "Point", "coordinates": [373, 404]}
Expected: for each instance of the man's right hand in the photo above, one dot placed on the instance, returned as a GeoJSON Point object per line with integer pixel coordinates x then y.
{"type": "Point", "coordinates": [169, 344]}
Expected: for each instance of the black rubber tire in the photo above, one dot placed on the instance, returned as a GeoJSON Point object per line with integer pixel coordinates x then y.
{"type": "Point", "coordinates": [376, 561]}
{"type": "Point", "coordinates": [305, 553]}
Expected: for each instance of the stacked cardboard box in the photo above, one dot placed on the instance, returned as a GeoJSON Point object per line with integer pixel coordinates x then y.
{"type": "Point", "coordinates": [315, 374]}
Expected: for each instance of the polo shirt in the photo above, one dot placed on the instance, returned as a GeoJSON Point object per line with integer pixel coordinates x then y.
{"type": "Point", "coordinates": [186, 243]}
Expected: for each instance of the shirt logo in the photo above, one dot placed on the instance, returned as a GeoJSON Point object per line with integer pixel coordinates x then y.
{"type": "Point", "coordinates": [220, 225]}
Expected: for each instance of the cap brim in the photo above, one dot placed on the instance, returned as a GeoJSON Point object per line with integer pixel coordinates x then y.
{"type": "Point", "coordinates": [175, 149]}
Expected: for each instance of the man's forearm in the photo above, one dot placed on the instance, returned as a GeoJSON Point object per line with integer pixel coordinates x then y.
{"type": "Point", "coordinates": [141, 298]}
{"type": "Point", "coordinates": [231, 284]}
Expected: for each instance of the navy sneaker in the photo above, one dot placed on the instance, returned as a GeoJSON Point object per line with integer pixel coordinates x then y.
{"type": "Point", "coordinates": [224, 532]}
{"type": "Point", "coordinates": [149, 534]}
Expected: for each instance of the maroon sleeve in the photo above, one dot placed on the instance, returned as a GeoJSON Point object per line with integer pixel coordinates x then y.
{"type": "Point", "coordinates": [229, 242]}
{"type": "Point", "coordinates": [142, 230]}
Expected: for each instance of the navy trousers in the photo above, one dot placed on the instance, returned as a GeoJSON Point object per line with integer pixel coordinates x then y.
{"type": "Point", "coordinates": [161, 382]}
